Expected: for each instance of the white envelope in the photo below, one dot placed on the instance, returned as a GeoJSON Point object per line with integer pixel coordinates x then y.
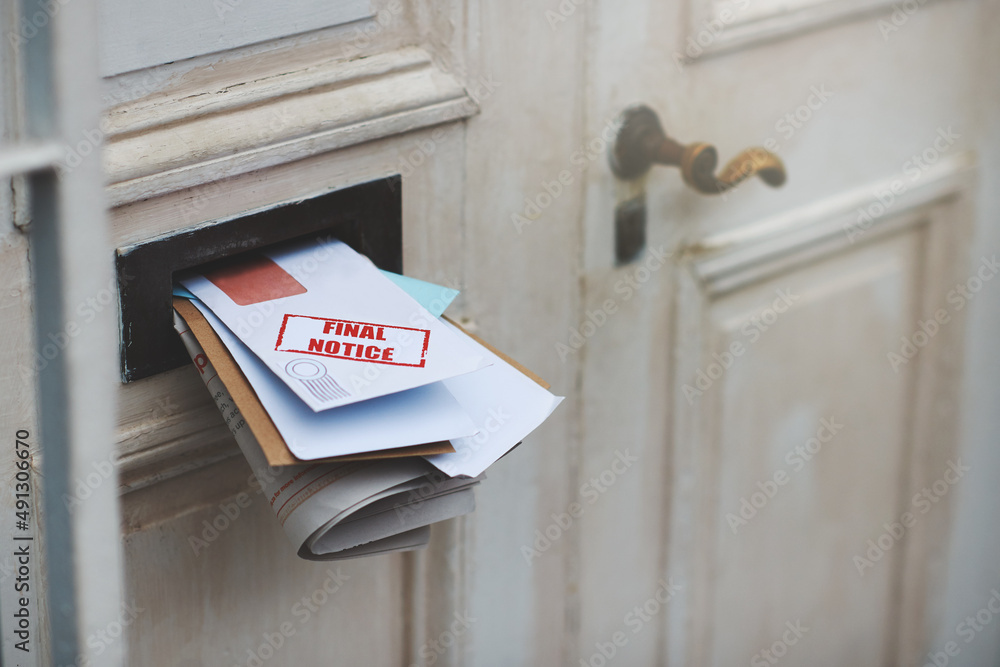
{"type": "Point", "coordinates": [413, 417]}
{"type": "Point", "coordinates": [334, 329]}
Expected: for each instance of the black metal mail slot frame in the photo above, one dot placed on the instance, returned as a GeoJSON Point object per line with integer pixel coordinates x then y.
{"type": "Point", "coordinates": [367, 217]}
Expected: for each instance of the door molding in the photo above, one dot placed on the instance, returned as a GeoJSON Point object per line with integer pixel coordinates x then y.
{"type": "Point", "coordinates": [196, 132]}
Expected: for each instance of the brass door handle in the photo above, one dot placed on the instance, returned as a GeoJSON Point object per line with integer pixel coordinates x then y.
{"type": "Point", "coordinates": [641, 143]}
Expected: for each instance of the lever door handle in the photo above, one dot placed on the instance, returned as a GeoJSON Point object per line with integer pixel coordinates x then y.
{"type": "Point", "coordinates": [641, 143]}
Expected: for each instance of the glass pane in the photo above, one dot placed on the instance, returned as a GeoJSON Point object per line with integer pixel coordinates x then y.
{"type": "Point", "coordinates": [144, 33]}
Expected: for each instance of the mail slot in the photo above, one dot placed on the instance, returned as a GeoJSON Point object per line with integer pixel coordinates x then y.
{"type": "Point", "coordinates": [367, 217]}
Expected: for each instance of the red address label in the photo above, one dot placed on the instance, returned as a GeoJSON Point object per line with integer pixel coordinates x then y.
{"type": "Point", "coordinates": [360, 341]}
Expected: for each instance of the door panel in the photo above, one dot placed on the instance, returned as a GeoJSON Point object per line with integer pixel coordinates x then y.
{"type": "Point", "coordinates": [195, 593]}
{"type": "Point", "coordinates": [816, 483]}
{"type": "Point", "coordinates": [782, 506]}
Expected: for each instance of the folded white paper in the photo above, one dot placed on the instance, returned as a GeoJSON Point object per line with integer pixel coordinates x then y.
{"type": "Point", "coordinates": [504, 403]}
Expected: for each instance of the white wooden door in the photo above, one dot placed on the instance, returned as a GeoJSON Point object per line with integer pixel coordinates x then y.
{"type": "Point", "coordinates": [754, 404]}
{"type": "Point", "coordinates": [791, 380]}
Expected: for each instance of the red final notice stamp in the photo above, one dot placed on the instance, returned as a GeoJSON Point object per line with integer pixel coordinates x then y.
{"type": "Point", "coordinates": [360, 341]}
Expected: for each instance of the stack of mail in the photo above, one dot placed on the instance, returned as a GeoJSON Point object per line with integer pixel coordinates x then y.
{"type": "Point", "coordinates": [364, 414]}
